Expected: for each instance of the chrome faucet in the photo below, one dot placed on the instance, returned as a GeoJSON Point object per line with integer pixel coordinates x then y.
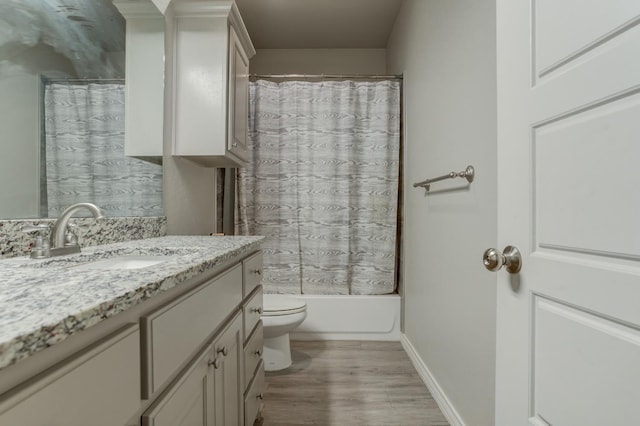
{"type": "Point", "coordinates": [61, 237]}
{"type": "Point", "coordinates": [62, 240]}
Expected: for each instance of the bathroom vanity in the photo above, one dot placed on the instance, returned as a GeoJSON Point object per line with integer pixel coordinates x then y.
{"type": "Point", "coordinates": [162, 331]}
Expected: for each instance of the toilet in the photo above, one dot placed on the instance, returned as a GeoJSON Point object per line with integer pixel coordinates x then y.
{"type": "Point", "coordinates": [281, 314]}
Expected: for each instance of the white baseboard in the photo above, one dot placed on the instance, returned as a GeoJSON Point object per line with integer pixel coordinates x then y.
{"type": "Point", "coordinates": [438, 394]}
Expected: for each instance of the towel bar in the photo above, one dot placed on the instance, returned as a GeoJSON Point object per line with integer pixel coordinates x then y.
{"type": "Point", "coordinates": [467, 173]}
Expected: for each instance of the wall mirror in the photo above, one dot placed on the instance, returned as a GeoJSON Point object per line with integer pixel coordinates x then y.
{"type": "Point", "coordinates": [62, 112]}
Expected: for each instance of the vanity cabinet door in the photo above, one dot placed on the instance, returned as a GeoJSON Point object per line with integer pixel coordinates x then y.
{"type": "Point", "coordinates": [228, 374]}
{"type": "Point", "coordinates": [190, 401]}
{"type": "Point", "coordinates": [238, 97]}
{"type": "Point", "coordinates": [209, 392]}
{"type": "Point", "coordinates": [100, 386]}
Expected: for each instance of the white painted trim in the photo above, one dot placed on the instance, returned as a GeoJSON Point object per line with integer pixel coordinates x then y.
{"type": "Point", "coordinates": [438, 394]}
{"type": "Point", "coordinates": [137, 9]}
{"type": "Point", "coordinates": [352, 317]}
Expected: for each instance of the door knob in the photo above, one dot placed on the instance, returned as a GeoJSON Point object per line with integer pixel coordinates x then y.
{"type": "Point", "coordinates": [510, 258]}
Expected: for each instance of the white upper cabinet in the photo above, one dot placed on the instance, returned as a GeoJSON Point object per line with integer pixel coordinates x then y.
{"type": "Point", "coordinates": [144, 71]}
{"type": "Point", "coordinates": [238, 97]}
{"type": "Point", "coordinates": [211, 52]}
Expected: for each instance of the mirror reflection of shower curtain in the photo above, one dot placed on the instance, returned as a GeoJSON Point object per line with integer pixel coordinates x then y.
{"type": "Point", "coordinates": [85, 161]}
{"type": "Point", "coordinates": [322, 184]}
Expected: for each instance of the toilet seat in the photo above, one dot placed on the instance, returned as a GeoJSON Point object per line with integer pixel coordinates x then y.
{"type": "Point", "coordinates": [278, 305]}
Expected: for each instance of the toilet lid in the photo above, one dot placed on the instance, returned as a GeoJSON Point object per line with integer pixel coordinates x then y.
{"type": "Point", "coordinates": [277, 304]}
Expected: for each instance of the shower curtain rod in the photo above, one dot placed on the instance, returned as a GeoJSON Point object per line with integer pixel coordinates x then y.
{"type": "Point", "coordinates": [320, 76]}
{"type": "Point", "coordinates": [81, 80]}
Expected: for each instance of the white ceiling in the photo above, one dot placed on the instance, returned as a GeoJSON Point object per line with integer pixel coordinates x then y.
{"type": "Point", "coordinates": [299, 24]}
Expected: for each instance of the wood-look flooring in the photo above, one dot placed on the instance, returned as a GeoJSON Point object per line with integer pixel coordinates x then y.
{"type": "Point", "coordinates": [349, 383]}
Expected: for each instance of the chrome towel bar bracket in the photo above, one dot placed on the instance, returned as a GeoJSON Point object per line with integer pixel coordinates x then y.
{"type": "Point", "coordinates": [467, 173]}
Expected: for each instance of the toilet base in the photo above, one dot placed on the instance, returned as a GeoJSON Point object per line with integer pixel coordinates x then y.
{"type": "Point", "coordinates": [277, 353]}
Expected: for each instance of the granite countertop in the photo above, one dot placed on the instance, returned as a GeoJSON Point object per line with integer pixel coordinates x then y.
{"type": "Point", "coordinates": [42, 302]}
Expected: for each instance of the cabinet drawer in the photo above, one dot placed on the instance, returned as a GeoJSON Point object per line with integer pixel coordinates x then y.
{"type": "Point", "coordinates": [252, 273]}
{"type": "Point", "coordinates": [252, 311]}
{"type": "Point", "coordinates": [253, 398]}
{"type": "Point", "coordinates": [253, 353]}
{"type": "Point", "coordinates": [98, 387]}
{"type": "Point", "coordinates": [175, 331]}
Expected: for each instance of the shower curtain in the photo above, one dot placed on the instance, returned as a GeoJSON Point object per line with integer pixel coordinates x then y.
{"type": "Point", "coordinates": [322, 185]}
{"type": "Point", "coordinates": [84, 154]}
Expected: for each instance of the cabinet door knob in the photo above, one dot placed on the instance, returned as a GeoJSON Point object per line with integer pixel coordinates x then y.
{"type": "Point", "coordinates": [223, 350]}
{"type": "Point", "coordinates": [258, 310]}
{"type": "Point", "coordinates": [215, 363]}
{"type": "Point", "coordinates": [258, 352]}
{"type": "Point", "coordinates": [257, 272]}
{"type": "Point", "coordinates": [260, 396]}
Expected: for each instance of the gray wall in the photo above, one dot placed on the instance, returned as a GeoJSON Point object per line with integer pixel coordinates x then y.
{"type": "Point", "coordinates": [20, 102]}
{"type": "Point", "coordinates": [319, 61]}
{"type": "Point", "coordinates": [188, 188]}
{"type": "Point", "coordinates": [447, 51]}
{"type": "Point", "coordinates": [20, 145]}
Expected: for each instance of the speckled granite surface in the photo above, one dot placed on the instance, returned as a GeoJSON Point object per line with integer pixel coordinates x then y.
{"type": "Point", "coordinates": [90, 232]}
{"type": "Point", "coordinates": [42, 302]}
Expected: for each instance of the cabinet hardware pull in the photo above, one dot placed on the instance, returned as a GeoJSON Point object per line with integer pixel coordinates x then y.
{"type": "Point", "coordinates": [215, 363]}
{"type": "Point", "coordinates": [260, 396]}
{"type": "Point", "coordinates": [223, 350]}
{"type": "Point", "coordinates": [258, 310]}
{"type": "Point", "coordinates": [257, 271]}
{"type": "Point", "coordinates": [258, 352]}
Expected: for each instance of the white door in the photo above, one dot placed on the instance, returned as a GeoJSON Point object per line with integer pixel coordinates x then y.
{"type": "Point", "coordinates": [568, 327]}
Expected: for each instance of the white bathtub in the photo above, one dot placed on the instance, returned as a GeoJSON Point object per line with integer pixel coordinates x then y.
{"type": "Point", "coordinates": [350, 318]}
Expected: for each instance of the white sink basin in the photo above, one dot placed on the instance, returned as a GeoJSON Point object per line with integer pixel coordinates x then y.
{"type": "Point", "coordinates": [131, 261]}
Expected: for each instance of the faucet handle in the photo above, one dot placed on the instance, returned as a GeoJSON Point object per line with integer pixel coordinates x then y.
{"type": "Point", "coordinates": [40, 229]}
{"type": "Point", "coordinates": [70, 237]}
{"type": "Point", "coordinates": [41, 244]}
